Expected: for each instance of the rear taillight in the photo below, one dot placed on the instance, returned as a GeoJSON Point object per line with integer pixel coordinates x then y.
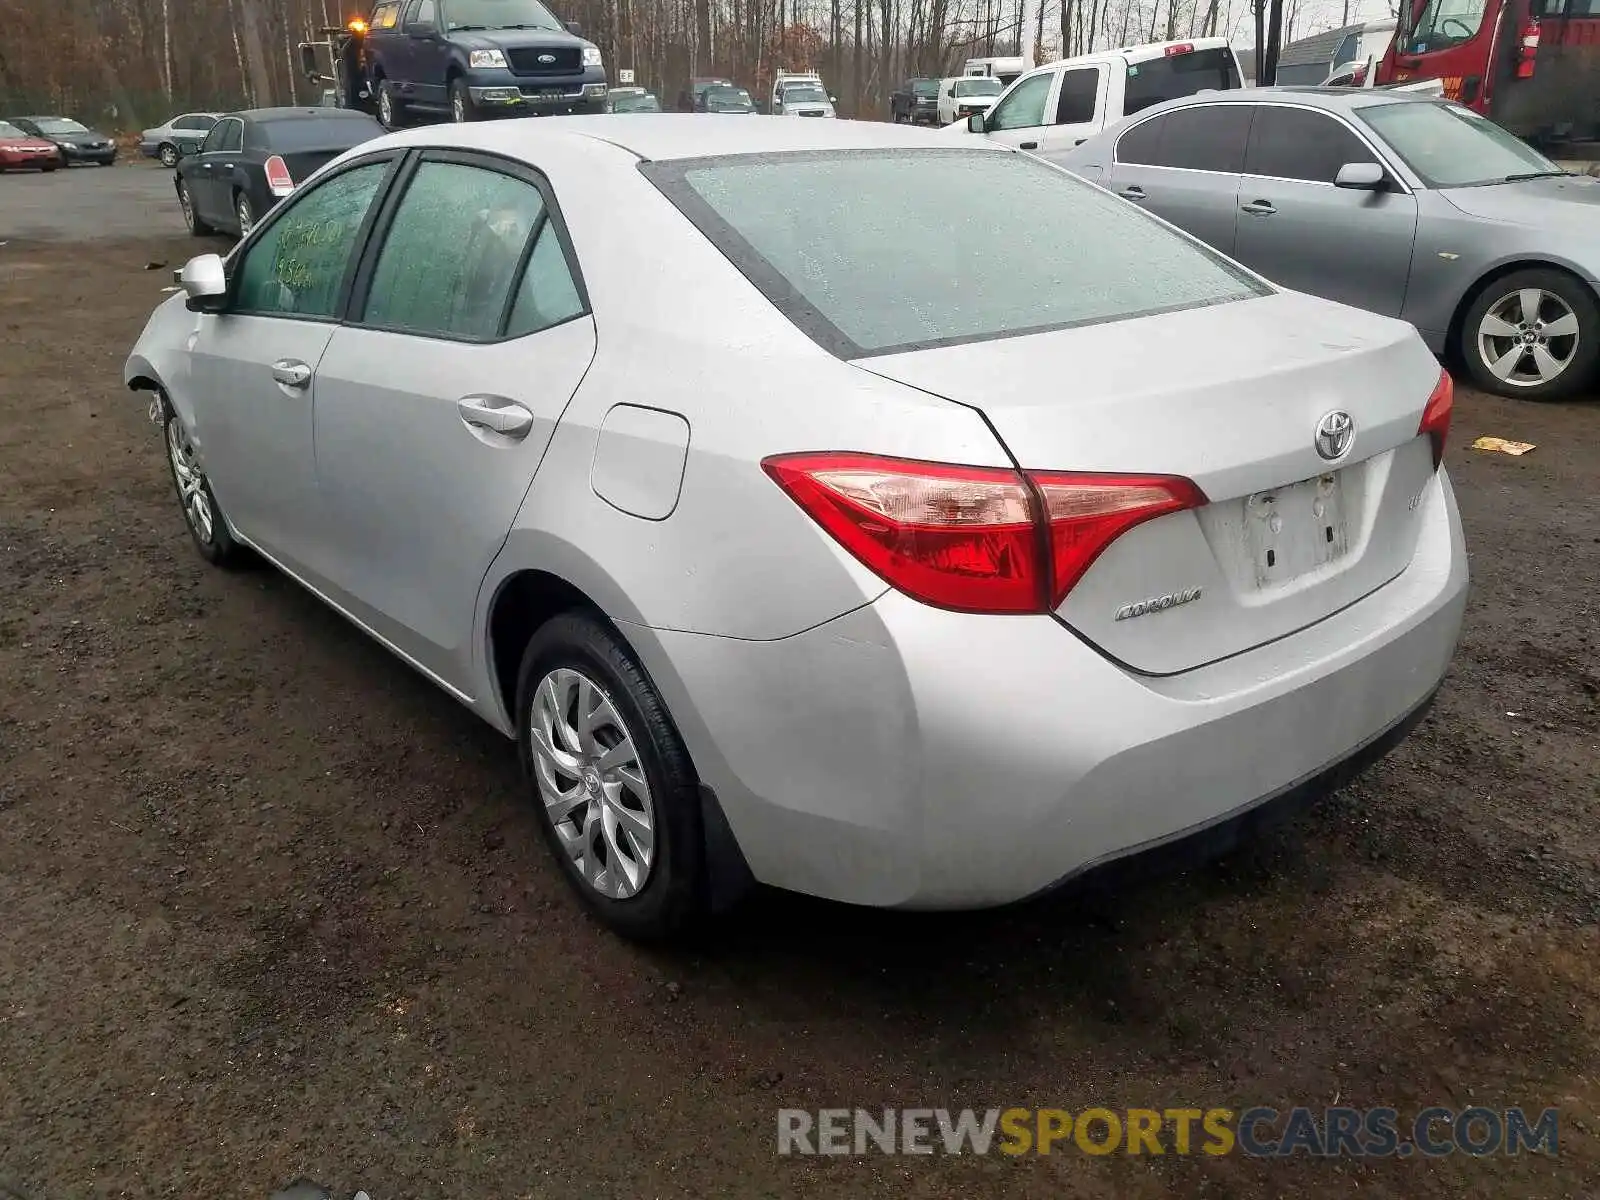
{"type": "Point", "coordinates": [1436, 416]}
{"type": "Point", "coordinates": [279, 182]}
{"type": "Point", "coordinates": [974, 539]}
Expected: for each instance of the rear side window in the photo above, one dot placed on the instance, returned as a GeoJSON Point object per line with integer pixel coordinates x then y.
{"type": "Point", "coordinates": [1297, 143]}
{"type": "Point", "coordinates": [1080, 89]}
{"type": "Point", "coordinates": [1157, 79]}
{"type": "Point", "coordinates": [871, 252]}
{"type": "Point", "coordinates": [452, 252]}
{"type": "Point", "coordinates": [1204, 137]}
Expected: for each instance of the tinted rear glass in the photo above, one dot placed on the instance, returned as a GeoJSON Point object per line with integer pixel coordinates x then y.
{"type": "Point", "coordinates": [315, 133]}
{"type": "Point", "coordinates": [1157, 79]}
{"type": "Point", "coordinates": [874, 251]}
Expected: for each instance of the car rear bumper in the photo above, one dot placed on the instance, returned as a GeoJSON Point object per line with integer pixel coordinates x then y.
{"type": "Point", "coordinates": [905, 756]}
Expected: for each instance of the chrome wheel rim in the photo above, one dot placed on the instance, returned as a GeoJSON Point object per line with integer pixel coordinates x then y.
{"type": "Point", "coordinates": [169, 156]}
{"type": "Point", "coordinates": [592, 784]}
{"type": "Point", "coordinates": [458, 108]}
{"type": "Point", "coordinates": [187, 205]}
{"type": "Point", "coordinates": [1528, 338]}
{"type": "Point", "coordinates": [385, 105]}
{"type": "Point", "coordinates": [191, 480]}
{"type": "Point", "coordinates": [247, 219]}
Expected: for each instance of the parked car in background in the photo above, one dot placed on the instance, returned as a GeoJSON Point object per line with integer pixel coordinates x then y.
{"type": "Point", "coordinates": [1058, 105]}
{"type": "Point", "coordinates": [963, 96]}
{"type": "Point", "coordinates": [1406, 205]}
{"type": "Point", "coordinates": [915, 102]}
{"type": "Point", "coordinates": [1310, 60]}
{"type": "Point", "coordinates": [179, 136]}
{"type": "Point", "coordinates": [801, 94]}
{"type": "Point", "coordinates": [632, 100]}
{"type": "Point", "coordinates": [20, 150]}
{"type": "Point", "coordinates": [725, 98]}
{"type": "Point", "coordinates": [689, 97]}
{"type": "Point", "coordinates": [1193, 528]}
{"type": "Point", "coordinates": [77, 142]}
{"type": "Point", "coordinates": [251, 160]}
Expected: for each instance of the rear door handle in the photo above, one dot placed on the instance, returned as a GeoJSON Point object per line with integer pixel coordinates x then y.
{"type": "Point", "coordinates": [1259, 208]}
{"type": "Point", "coordinates": [1027, 145]}
{"type": "Point", "coordinates": [1135, 192]}
{"type": "Point", "coordinates": [291, 373]}
{"type": "Point", "coordinates": [504, 417]}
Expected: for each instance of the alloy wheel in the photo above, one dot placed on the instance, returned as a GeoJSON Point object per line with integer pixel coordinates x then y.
{"type": "Point", "coordinates": [593, 784]}
{"type": "Point", "coordinates": [385, 106]}
{"type": "Point", "coordinates": [247, 217]}
{"type": "Point", "coordinates": [186, 204]}
{"type": "Point", "coordinates": [1528, 337]}
{"type": "Point", "coordinates": [458, 108]}
{"type": "Point", "coordinates": [169, 156]}
{"type": "Point", "coordinates": [192, 493]}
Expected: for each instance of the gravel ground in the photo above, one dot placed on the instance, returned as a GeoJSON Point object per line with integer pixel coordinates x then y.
{"type": "Point", "coordinates": [273, 906]}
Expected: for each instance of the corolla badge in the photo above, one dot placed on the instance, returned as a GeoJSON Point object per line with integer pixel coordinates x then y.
{"type": "Point", "coordinates": [1335, 434]}
{"type": "Point", "coordinates": [547, 58]}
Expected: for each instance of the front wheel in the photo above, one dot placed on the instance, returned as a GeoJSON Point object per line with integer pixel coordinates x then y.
{"type": "Point", "coordinates": [191, 217]}
{"type": "Point", "coordinates": [462, 109]}
{"type": "Point", "coordinates": [1533, 335]}
{"type": "Point", "coordinates": [201, 513]}
{"type": "Point", "coordinates": [617, 797]}
{"type": "Point", "coordinates": [245, 212]}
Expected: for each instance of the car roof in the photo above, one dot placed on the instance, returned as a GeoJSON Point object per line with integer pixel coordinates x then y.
{"type": "Point", "coordinates": [1336, 99]}
{"type": "Point", "coordinates": [664, 137]}
{"type": "Point", "coordinates": [291, 114]}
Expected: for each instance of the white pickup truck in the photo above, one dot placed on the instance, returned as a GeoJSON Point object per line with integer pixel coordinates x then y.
{"type": "Point", "coordinates": [1058, 105]}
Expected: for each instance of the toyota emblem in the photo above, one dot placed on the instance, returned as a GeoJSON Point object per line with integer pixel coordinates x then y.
{"type": "Point", "coordinates": [547, 58]}
{"type": "Point", "coordinates": [1336, 432]}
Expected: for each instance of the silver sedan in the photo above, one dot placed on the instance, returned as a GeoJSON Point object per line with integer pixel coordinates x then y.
{"type": "Point", "coordinates": [801, 533]}
{"type": "Point", "coordinates": [1407, 205]}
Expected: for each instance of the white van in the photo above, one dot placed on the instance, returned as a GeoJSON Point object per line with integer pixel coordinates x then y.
{"type": "Point", "coordinates": [961, 96]}
{"type": "Point", "coordinates": [1059, 105]}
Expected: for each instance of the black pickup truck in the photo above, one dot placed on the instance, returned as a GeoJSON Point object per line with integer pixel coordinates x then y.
{"type": "Point", "coordinates": [915, 103]}
{"type": "Point", "coordinates": [470, 59]}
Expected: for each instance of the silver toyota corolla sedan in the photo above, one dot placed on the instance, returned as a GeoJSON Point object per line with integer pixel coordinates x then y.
{"type": "Point", "coordinates": [804, 534]}
{"type": "Point", "coordinates": [1406, 205]}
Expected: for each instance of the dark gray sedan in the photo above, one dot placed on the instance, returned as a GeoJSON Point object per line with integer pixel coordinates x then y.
{"type": "Point", "coordinates": [1409, 206]}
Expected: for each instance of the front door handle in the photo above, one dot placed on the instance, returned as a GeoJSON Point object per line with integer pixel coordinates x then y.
{"type": "Point", "coordinates": [291, 373]}
{"type": "Point", "coordinates": [504, 417]}
{"type": "Point", "coordinates": [1135, 192]}
{"type": "Point", "coordinates": [1259, 208]}
{"type": "Point", "coordinates": [1027, 145]}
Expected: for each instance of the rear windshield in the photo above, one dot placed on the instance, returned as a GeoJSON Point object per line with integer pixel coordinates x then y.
{"type": "Point", "coordinates": [875, 251]}
{"type": "Point", "coordinates": [1157, 79]}
{"type": "Point", "coordinates": [315, 133]}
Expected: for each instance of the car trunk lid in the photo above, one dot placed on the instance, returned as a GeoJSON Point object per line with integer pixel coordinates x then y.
{"type": "Point", "coordinates": [1231, 397]}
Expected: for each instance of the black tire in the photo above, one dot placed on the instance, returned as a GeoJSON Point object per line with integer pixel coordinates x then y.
{"type": "Point", "coordinates": [245, 213]}
{"type": "Point", "coordinates": [216, 546]}
{"type": "Point", "coordinates": [168, 154]}
{"type": "Point", "coordinates": [197, 227]}
{"type": "Point", "coordinates": [1581, 358]}
{"type": "Point", "coordinates": [672, 900]}
{"type": "Point", "coordinates": [462, 109]}
{"type": "Point", "coordinates": [391, 104]}
{"type": "Point", "coordinates": [49, 170]}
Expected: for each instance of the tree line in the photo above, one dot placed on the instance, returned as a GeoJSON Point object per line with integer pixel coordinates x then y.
{"type": "Point", "coordinates": [126, 64]}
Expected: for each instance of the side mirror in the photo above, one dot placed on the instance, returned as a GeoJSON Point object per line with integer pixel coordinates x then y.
{"type": "Point", "coordinates": [188, 149]}
{"type": "Point", "coordinates": [574, 28]}
{"type": "Point", "coordinates": [975, 123]}
{"type": "Point", "coordinates": [1360, 177]}
{"type": "Point", "coordinates": [422, 29]}
{"type": "Point", "coordinates": [308, 61]}
{"type": "Point", "coordinates": [204, 280]}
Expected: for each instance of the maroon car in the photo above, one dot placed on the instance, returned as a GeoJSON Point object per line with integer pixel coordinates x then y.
{"type": "Point", "coordinates": [19, 149]}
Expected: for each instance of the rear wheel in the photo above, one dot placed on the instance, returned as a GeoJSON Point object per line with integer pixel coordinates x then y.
{"type": "Point", "coordinates": [617, 796]}
{"type": "Point", "coordinates": [391, 112]}
{"type": "Point", "coordinates": [1533, 335]}
{"type": "Point", "coordinates": [168, 154]}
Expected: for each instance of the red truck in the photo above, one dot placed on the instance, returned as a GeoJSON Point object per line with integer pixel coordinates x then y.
{"type": "Point", "coordinates": [1532, 66]}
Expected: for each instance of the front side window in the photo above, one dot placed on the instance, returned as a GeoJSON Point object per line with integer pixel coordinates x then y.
{"type": "Point", "coordinates": [985, 245]}
{"type": "Point", "coordinates": [1080, 94]}
{"type": "Point", "coordinates": [1445, 23]}
{"type": "Point", "coordinates": [1450, 146]}
{"type": "Point", "coordinates": [1024, 107]}
{"type": "Point", "coordinates": [297, 265]}
{"type": "Point", "coordinates": [1296, 143]}
{"type": "Point", "coordinates": [213, 142]}
{"type": "Point", "coordinates": [1204, 137]}
{"type": "Point", "coordinates": [499, 14]}
{"type": "Point", "coordinates": [1167, 78]}
{"type": "Point", "coordinates": [451, 254]}
{"type": "Point", "coordinates": [422, 12]}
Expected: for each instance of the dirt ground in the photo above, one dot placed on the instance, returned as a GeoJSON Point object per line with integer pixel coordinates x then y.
{"type": "Point", "coordinates": [271, 905]}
